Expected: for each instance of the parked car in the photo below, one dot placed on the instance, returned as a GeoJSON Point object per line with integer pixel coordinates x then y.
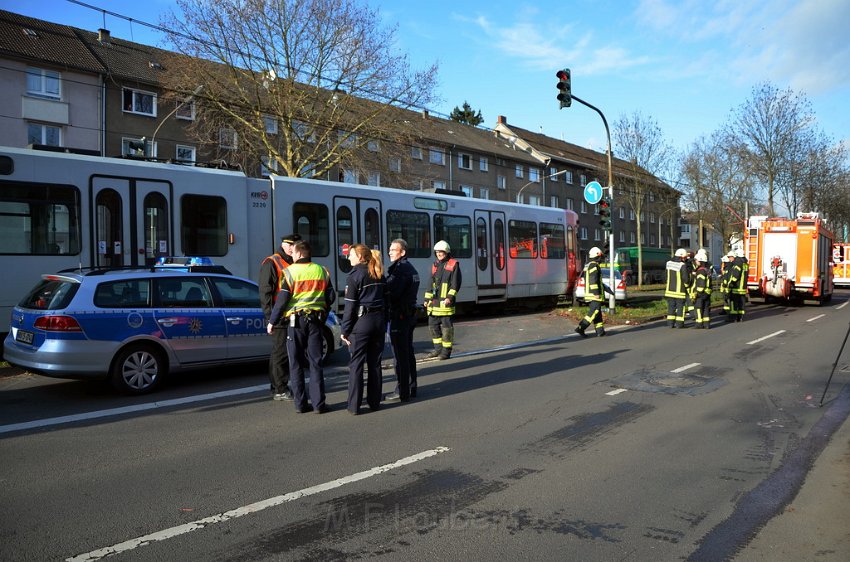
{"type": "Point", "coordinates": [134, 327]}
{"type": "Point", "coordinates": [619, 287]}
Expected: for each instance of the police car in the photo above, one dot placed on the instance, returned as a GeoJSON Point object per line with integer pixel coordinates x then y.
{"type": "Point", "coordinates": [135, 326]}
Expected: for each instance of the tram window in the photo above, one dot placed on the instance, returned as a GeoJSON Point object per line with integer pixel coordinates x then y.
{"type": "Point", "coordinates": [156, 227]}
{"type": "Point", "coordinates": [109, 228]}
{"type": "Point", "coordinates": [481, 243]}
{"type": "Point", "coordinates": [499, 243]}
{"type": "Point", "coordinates": [38, 219]}
{"type": "Point", "coordinates": [523, 239]}
{"type": "Point", "coordinates": [312, 222]}
{"type": "Point", "coordinates": [203, 225]}
{"type": "Point", "coordinates": [344, 237]}
{"type": "Point", "coordinates": [552, 241]}
{"type": "Point", "coordinates": [371, 230]}
{"type": "Point", "coordinates": [455, 230]}
{"type": "Point", "coordinates": [413, 228]}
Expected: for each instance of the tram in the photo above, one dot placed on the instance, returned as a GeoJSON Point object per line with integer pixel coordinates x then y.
{"type": "Point", "coordinates": [60, 211]}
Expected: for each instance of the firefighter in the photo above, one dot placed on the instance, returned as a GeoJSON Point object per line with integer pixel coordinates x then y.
{"type": "Point", "coordinates": [702, 290]}
{"type": "Point", "coordinates": [440, 300]}
{"type": "Point", "coordinates": [594, 290]}
{"type": "Point", "coordinates": [736, 286]}
{"type": "Point", "coordinates": [678, 281]}
{"type": "Point", "coordinates": [690, 293]}
{"type": "Point", "coordinates": [724, 270]}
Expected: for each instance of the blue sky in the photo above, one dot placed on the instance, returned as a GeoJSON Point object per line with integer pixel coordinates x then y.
{"type": "Point", "coordinates": [685, 63]}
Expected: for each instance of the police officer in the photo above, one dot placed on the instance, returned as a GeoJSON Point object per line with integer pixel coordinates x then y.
{"type": "Point", "coordinates": [440, 300]}
{"type": "Point", "coordinates": [271, 270]}
{"type": "Point", "coordinates": [594, 291]}
{"type": "Point", "coordinates": [678, 280]}
{"type": "Point", "coordinates": [363, 325]}
{"type": "Point", "coordinates": [736, 286]}
{"type": "Point", "coordinates": [402, 291]}
{"type": "Point", "coordinates": [306, 294]}
{"type": "Point", "coordinates": [702, 290]}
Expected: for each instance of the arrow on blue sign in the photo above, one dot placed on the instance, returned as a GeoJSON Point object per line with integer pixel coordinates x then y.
{"type": "Point", "coordinates": [593, 192]}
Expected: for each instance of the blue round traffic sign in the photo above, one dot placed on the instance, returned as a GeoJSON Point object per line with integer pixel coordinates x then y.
{"type": "Point", "coordinates": [593, 192]}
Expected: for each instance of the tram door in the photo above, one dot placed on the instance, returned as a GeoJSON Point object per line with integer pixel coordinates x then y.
{"type": "Point", "coordinates": [356, 221]}
{"type": "Point", "coordinates": [490, 252]}
{"type": "Point", "coordinates": [131, 221]}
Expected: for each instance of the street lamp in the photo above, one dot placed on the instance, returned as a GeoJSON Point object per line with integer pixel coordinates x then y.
{"type": "Point", "coordinates": [519, 193]}
{"type": "Point", "coordinates": [187, 99]}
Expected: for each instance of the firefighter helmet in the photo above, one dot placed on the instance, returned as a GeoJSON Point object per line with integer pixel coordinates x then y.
{"type": "Point", "coordinates": [595, 252]}
{"type": "Point", "coordinates": [739, 253]}
{"type": "Point", "coordinates": [701, 256]}
{"type": "Point", "coordinates": [681, 253]}
{"type": "Point", "coordinates": [731, 254]}
{"type": "Point", "coordinates": [442, 246]}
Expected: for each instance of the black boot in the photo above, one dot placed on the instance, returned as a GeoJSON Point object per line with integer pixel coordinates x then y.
{"type": "Point", "coordinates": [445, 354]}
{"type": "Point", "coordinates": [436, 353]}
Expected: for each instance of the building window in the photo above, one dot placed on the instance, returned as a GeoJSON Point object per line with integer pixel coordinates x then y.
{"type": "Point", "coordinates": [584, 206]}
{"type": "Point", "coordinates": [374, 178]}
{"type": "Point", "coordinates": [632, 237]}
{"type": "Point", "coordinates": [651, 196]}
{"type": "Point", "coordinates": [652, 217]}
{"type": "Point", "coordinates": [373, 146]}
{"type": "Point", "coordinates": [631, 214]}
{"type": "Point", "coordinates": [652, 240]}
{"type": "Point", "coordinates": [44, 134]}
{"type": "Point", "coordinates": [534, 200]}
{"type": "Point", "coordinates": [140, 102]}
{"type": "Point", "coordinates": [395, 164]}
{"type": "Point", "coordinates": [437, 156]}
{"type": "Point", "coordinates": [270, 124]}
{"type": "Point", "coordinates": [348, 176]}
{"type": "Point", "coordinates": [185, 153]}
{"type": "Point", "coordinates": [501, 182]}
{"type": "Point", "coordinates": [642, 238]}
{"type": "Point", "coordinates": [44, 83]}
{"type": "Point", "coordinates": [466, 190]}
{"type": "Point", "coordinates": [534, 174]}
{"type": "Point", "coordinates": [185, 110]}
{"type": "Point", "coordinates": [596, 235]}
{"type": "Point", "coordinates": [553, 201]}
{"type": "Point", "coordinates": [596, 209]}
{"type": "Point", "coordinates": [484, 164]}
{"type": "Point", "coordinates": [583, 233]}
{"type": "Point", "coordinates": [484, 192]}
{"type": "Point", "coordinates": [622, 213]}
{"type": "Point", "coordinates": [519, 171]}
{"type": "Point", "coordinates": [553, 174]}
{"type": "Point", "coordinates": [621, 237]}
{"type": "Point", "coordinates": [268, 166]}
{"type": "Point", "coordinates": [416, 152]}
{"type": "Point", "coordinates": [464, 161]}
{"type": "Point", "coordinates": [438, 184]}
{"type": "Point", "coordinates": [568, 177]}
{"type": "Point", "coordinates": [570, 204]}
{"type": "Point", "coordinates": [137, 147]}
{"type": "Point", "coordinates": [346, 140]}
{"type": "Point", "coordinates": [583, 180]}
{"type": "Point", "coordinates": [642, 217]}
{"type": "Point", "coordinates": [227, 139]}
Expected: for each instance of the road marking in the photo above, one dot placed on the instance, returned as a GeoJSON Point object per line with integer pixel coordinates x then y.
{"type": "Point", "coordinates": [816, 317]}
{"type": "Point", "coordinates": [766, 337]}
{"type": "Point", "coordinates": [685, 368]}
{"type": "Point", "coordinates": [252, 508]}
{"type": "Point", "coordinates": [616, 392]}
{"type": "Point", "coordinates": [840, 306]}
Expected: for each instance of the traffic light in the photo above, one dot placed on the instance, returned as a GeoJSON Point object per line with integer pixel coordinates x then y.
{"type": "Point", "coordinates": [605, 213]}
{"type": "Point", "coordinates": [565, 94]}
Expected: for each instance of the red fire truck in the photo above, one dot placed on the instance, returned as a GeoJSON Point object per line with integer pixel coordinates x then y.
{"type": "Point", "coordinates": [841, 259]}
{"type": "Point", "coordinates": [789, 259]}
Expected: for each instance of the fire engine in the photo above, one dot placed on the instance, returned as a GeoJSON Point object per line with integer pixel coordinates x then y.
{"type": "Point", "coordinates": [841, 259]}
{"type": "Point", "coordinates": [789, 259]}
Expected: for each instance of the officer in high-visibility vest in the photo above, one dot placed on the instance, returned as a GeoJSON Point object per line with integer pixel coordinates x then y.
{"type": "Point", "coordinates": [440, 300]}
{"type": "Point", "coordinates": [702, 290]}
{"type": "Point", "coordinates": [678, 280]}
{"type": "Point", "coordinates": [305, 297]}
{"type": "Point", "coordinates": [594, 291]}
{"type": "Point", "coordinates": [271, 271]}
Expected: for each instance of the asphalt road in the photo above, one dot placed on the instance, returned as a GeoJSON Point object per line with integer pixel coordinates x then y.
{"type": "Point", "coordinates": [648, 444]}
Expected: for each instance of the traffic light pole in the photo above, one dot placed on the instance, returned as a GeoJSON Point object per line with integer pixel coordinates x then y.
{"type": "Point", "coordinates": [611, 297]}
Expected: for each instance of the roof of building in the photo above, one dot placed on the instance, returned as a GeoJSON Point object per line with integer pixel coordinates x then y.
{"type": "Point", "coordinates": [40, 41]}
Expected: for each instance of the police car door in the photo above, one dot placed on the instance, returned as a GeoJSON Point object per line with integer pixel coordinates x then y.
{"type": "Point", "coordinates": [243, 317]}
{"type": "Point", "coordinates": [192, 326]}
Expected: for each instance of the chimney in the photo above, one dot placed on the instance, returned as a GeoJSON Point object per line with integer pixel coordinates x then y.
{"type": "Point", "coordinates": [502, 120]}
{"type": "Point", "coordinates": [103, 35]}
{"type": "Point", "coordinates": [424, 114]}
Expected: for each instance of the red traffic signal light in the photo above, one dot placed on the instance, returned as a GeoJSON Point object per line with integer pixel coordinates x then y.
{"type": "Point", "coordinates": [605, 213]}
{"type": "Point", "coordinates": [565, 95]}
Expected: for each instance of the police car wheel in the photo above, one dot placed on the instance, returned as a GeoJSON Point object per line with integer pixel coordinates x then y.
{"type": "Point", "coordinates": [137, 369]}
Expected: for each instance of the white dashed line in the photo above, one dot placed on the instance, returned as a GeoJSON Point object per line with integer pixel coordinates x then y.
{"type": "Point", "coordinates": [685, 368]}
{"type": "Point", "coordinates": [842, 305]}
{"type": "Point", "coordinates": [816, 317]}
{"type": "Point", "coordinates": [616, 392]}
{"type": "Point", "coordinates": [251, 508]}
{"type": "Point", "coordinates": [766, 337]}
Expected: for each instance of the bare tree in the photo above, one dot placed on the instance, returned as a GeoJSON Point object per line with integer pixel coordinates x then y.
{"type": "Point", "coordinates": [638, 141]}
{"type": "Point", "coordinates": [769, 128]}
{"type": "Point", "coordinates": [307, 86]}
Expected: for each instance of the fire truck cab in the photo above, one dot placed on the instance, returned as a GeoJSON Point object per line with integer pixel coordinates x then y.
{"type": "Point", "coordinates": [789, 259]}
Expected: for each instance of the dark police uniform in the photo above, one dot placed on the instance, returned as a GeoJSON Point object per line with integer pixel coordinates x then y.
{"type": "Point", "coordinates": [306, 294]}
{"type": "Point", "coordinates": [270, 271]}
{"type": "Point", "coordinates": [402, 291]}
{"type": "Point", "coordinates": [364, 323]}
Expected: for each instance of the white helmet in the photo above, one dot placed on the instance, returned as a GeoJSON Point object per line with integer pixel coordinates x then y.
{"type": "Point", "coordinates": [739, 253]}
{"type": "Point", "coordinates": [681, 252]}
{"type": "Point", "coordinates": [701, 256]}
{"type": "Point", "coordinates": [731, 254]}
{"type": "Point", "coordinates": [442, 246]}
{"type": "Point", "coordinates": [595, 252]}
